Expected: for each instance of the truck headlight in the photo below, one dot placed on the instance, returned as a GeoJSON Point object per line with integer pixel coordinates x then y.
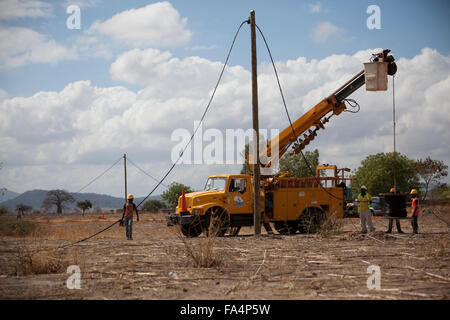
{"type": "Point", "coordinates": [197, 211]}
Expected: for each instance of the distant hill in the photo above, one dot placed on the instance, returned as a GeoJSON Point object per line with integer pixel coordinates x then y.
{"type": "Point", "coordinates": [34, 199]}
{"type": "Point", "coordinates": [6, 194]}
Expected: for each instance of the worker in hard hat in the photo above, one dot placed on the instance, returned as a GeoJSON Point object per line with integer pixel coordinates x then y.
{"type": "Point", "coordinates": [364, 200]}
{"type": "Point", "coordinates": [415, 210]}
{"type": "Point", "coordinates": [128, 209]}
{"type": "Point", "coordinates": [391, 220]}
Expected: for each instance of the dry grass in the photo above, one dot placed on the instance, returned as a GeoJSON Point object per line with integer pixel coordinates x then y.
{"type": "Point", "coordinates": [10, 226]}
{"type": "Point", "coordinates": [330, 227]}
{"type": "Point", "coordinates": [201, 251]}
{"type": "Point", "coordinates": [36, 259]}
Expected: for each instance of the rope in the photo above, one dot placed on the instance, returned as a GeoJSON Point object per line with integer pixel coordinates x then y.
{"type": "Point", "coordinates": [98, 177]}
{"type": "Point", "coordinates": [203, 115]}
{"type": "Point", "coordinates": [175, 163]}
{"type": "Point", "coordinates": [144, 172]}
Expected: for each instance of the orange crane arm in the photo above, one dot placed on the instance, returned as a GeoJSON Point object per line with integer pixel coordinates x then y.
{"type": "Point", "coordinates": [315, 118]}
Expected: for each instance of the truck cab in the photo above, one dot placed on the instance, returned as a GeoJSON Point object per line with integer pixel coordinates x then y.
{"type": "Point", "coordinates": [225, 198]}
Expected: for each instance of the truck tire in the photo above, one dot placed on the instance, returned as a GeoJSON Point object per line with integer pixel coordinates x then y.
{"type": "Point", "coordinates": [191, 230]}
{"type": "Point", "coordinates": [311, 219]}
{"type": "Point", "coordinates": [220, 221]}
{"type": "Point", "coordinates": [286, 227]}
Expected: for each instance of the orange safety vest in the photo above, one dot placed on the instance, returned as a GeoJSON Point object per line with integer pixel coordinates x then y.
{"type": "Point", "coordinates": [414, 205]}
{"type": "Point", "coordinates": [129, 208]}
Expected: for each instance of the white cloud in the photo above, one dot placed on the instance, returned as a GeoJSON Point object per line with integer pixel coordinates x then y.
{"type": "Point", "coordinates": [14, 9]}
{"type": "Point", "coordinates": [315, 7]}
{"type": "Point", "coordinates": [323, 31]}
{"type": "Point", "coordinates": [20, 46]}
{"type": "Point", "coordinates": [155, 25]}
{"type": "Point", "coordinates": [66, 138]}
{"type": "Point", "coordinates": [82, 3]}
{"type": "Point", "coordinates": [3, 94]}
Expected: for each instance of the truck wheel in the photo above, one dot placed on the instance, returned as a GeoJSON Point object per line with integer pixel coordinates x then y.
{"type": "Point", "coordinates": [234, 231]}
{"type": "Point", "coordinates": [217, 220]}
{"type": "Point", "coordinates": [191, 230]}
{"type": "Point", "coordinates": [311, 219]}
{"type": "Point", "coordinates": [286, 227]}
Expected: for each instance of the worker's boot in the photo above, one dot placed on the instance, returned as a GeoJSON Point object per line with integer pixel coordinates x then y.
{"type": "Point", "coordinates": [390, 226]}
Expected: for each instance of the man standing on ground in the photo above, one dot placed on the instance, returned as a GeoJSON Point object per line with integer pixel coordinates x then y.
{"type": "Point", "coordinates": [415, 210]}
{"type": "Point", "coordinates": [19, 213]}
{"type": "Point", "coordinates": [128, 209]}
{"type": "Point", "coordinates": [397, 221]}
{"type": "Point", "coordinates": [364, 199]}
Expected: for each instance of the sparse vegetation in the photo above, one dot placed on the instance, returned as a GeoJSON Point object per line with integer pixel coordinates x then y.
{"type": "Point", "coordinates": [153, 206]}
{"type": "Point", "coordinates": [201, 251]}
{"type": "Point", "coordinates": [330, 227]}
{"type": "Point", "coordinates": [38, 260]}
{"type": "Point", "coordinates": [3, 210]}
{"type": "Point", "coordinates": [13, 227]}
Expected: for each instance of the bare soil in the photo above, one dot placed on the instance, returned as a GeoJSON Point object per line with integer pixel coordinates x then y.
{"type": "Point", "coordinates": [155, 265]}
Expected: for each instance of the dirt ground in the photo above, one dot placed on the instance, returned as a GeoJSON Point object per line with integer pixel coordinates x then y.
{"type": "Point", "coordinates": [155, 265]}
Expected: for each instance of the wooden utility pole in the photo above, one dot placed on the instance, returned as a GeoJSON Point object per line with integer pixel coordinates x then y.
{"type": "Point", "coordinates": [125, 172]}
{"type": "Point", "coordinates": [256, 175]}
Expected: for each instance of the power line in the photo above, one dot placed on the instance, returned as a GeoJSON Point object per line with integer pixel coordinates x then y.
{"type": "Point", "coordinates": [289, 118]}
{"type": "Point", "coordinates": [144, 172]}
{"type": "Point", "coordinates": [98, 177]}
{"type": "Point", "coordinates": [203, 115]}
{"type": "Point", "coordinates": [181, 154]}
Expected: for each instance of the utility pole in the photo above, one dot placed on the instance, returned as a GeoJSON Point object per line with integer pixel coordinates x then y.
{"type": "Point", "coordinates": [256, 175]}
{"type": "Point", "coordinates": [125, 172]}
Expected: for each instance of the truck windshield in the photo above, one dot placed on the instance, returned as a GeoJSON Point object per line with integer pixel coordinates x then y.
{"type": "Point", "coordinates": [217, 183]}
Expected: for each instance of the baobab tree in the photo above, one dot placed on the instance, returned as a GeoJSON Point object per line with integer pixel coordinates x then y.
{"type": "Point", "coordinates": [57, 198]}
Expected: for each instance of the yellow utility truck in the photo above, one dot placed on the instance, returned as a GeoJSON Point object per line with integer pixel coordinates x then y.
{"type": "Point", "coordinates": [292, 204]}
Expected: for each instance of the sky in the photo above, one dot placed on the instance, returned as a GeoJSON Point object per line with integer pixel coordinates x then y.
{"type": "Point", "coordinates": [74, 99]}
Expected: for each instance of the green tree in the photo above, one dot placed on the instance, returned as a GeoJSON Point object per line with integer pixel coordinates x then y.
{"type": "Point", "coordinates": [441, 192]}
{"type": "Point", "coordinates": [171, 195]}
{"type": "Point", "coordinates": [57, 198]}
{"type": "Point", "coordinates": [431, 171]}
{"type": "Point", "coordinates": [84, 205]}
{"type": "Point", "coordinates": [153, 205]}
{"type": "Point", "coordinates": [377, 173]}
{"type": "Point", "coordinates": [244, 154]}
{"type": "Point", "coordinates": [245, 166]}
{"type": "Point", "coordinates": [295, 164]}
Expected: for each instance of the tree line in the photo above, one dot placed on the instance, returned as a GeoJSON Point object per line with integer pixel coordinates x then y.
{"type": "Point", "coordinates": [378, 172]}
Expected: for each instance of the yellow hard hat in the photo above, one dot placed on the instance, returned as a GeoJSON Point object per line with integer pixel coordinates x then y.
{"type": "Point", "coordinates": [130, 197]}
{"type": "Point", "coordinates": [392, 190]}
{"type": "Point", "coordinates": [414, 191]}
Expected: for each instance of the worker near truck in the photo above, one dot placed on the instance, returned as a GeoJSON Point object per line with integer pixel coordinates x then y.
{"type": "Point", "coordinates": [391, 220]}
{"type": "Point", "coordinates": [415, 210]}
{"type": "Point", "coordinates": [128, 209]}
{"type": "Point", "coordinates": [364, 199]}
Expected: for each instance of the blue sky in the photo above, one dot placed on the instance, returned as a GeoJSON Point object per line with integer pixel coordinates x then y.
{"type": "Point", "coordinates": [406, 27]}
{"type": "Point", "coordinates": [73, 101]}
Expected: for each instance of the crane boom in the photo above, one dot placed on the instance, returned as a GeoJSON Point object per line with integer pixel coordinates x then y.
{"type": "Point", "coordinates": [316, 117]}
